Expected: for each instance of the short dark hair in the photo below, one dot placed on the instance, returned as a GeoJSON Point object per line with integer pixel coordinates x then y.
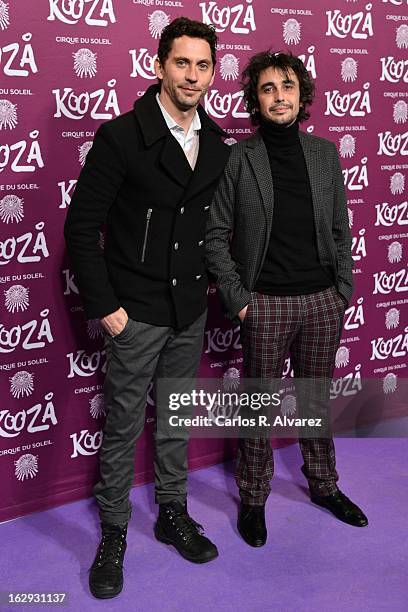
{"type": "Point", "coordinates": [281, 61]}
{"type": "Point", "coordinates": [182, 26]}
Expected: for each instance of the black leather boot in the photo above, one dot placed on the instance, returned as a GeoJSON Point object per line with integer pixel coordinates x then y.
{"type": "Point", "coordinates": [175, 526]}
{"type": "Point", "coordinates": [106, 574]}
{"type": "Point", "coordinates": [251, 524]}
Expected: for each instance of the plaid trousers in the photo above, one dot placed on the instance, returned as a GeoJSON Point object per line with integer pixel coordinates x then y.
{"type": "Point", "coordinates": [308, 327]}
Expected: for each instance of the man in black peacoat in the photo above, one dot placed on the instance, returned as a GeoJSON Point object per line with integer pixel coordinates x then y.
{"type": "Point", "coordinates": [149, 177]}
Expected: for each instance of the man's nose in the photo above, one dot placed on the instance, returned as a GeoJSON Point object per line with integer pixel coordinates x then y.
{"type": "Point", "coordinates": [279, 94]}
{"type": "Point", "coordinates": [191, 74]}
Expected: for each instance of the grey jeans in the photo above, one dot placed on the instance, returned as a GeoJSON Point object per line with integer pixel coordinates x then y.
{"type": "Point", "coordinates": [140, 353]}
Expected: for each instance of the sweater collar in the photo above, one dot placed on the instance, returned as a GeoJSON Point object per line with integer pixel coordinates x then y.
{"type": "Point", "coordinates": [279, 135]}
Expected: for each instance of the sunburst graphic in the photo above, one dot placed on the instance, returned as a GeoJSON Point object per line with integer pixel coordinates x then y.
{"type": "Point", "coordinates": [397, 183]}
{"type": "Point", "coordinates": [84, 149]}
{"type": "Point", "coordinates": [26, 467]}
{"type": "Point", "coordinates": [230, 141]}
{"type": "Point", "coordinates": [229, 67]}
{"type": "Point", "coordinates": [4, 15]}
{"type": "Point", "coordinates": [349, 69]}
{"type": "Point", "coordinates": [21, 384]}
{"type": "Point", "coordinates": [347, 145]}
{"type": "Point", "coordinates": [350, 217]}
{"type": "Point", "coordinates": [400, 111]}
{"type": "Point", "coordinates": [231, 378]}
{"type": "Point", "coordinates": [342, 357]}
{"type": "Point", "coordinates": [11, 209]}
{"type": "Point", "coordinates": [97, 406]}
{"type": "Point", "coordinates": [390, 383]}
{"type": "Point", "coordinates": [85, 63]}
{"type": "Point", "coordinates": [395, 252]}
{"type": "Point", "coordinates": [8, 115]}
{"type": "Point", "coordinates": [158, 20]}
{"type": "Point", "coordinates": [288, 405]}
{"type": "Point", "coordinates": [392, 318]}
{"type": "Point", "coordinates": [17, 298]}
{"type": "Point", "coordinates": [94, 329]}
{"type": "Point", "coordinates": [401, 37]}
{"type": "Point", "coordinates": [291, 32]}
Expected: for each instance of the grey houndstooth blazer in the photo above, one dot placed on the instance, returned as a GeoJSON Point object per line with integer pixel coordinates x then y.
{"type": "Point", "coordinates": [241, 216]}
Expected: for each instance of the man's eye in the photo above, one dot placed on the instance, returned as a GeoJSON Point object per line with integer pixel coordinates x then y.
{"type": "Point", "coordinates": [203, 66]}
{"type": "Point", "coordinates": [181, 63]}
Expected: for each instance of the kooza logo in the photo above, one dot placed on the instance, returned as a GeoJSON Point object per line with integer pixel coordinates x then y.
{"type": "Point", "coordinates": [26, 467]}
{"type": "Point", "coordinates": [229, 67]}
{"type": "Point", "coordinates": [14, 64]}
{"type": "Point", "coordinates": [347, 145]}
{"type": "Point", "coordinates": [85, 443]}
{"type": "Point", "coordinates": [356, 178]}
{"type": "Point", "coordinates": [291, 32]}
{"type": "Point", "coordinates": [218, 341]}
{"type": "Point", "coordinates": [25, 248]}
{"type": "Point", "coordinates": [12, 154]}
{"type": "Point", "coordinates": [8, 115]}
{"type": "Point", "coordinates": [17, 299]}
{"type": "Point", "coordinates": [393, 70]}
{"type": "Point", "coordinates": [21, 384]}
{"type": "Point", "coordinates": [81, 364]}
{"type": "Point", "coordinates": [158, 20]}
{"type": "Point", "coordinates": [385, 283]}
{"type": "Point", "coordinates": [356, 104]}
{"type": "Point", "coordinates": [397, 183]}
{"type": "Point", "coordinates": [388, 215]}
{"type": "Point", "coordinates": [391, 145]}
{"type": "Point", "coordinates": [240, 18]}
{"type": "Point", "coordinates": [143, 63]}
{"type": "Point", "coordinates": [4, 15]}
{"type": "Point", "coordinates": [309, 61]}
{"type": "Point", "coordinates": [354, 316]}
{"type": "Point", "coordinates": [93, 12]}
{"type": "Point", "coordinates": [358, 246]}
{"type": "Point", "coordinates": [11, 209]}
{"type": "Point", "coordinates": [400, 111]}
{"type": "Point", "coordinates": [28, 336]}
{"type": "Point", "coordinates": [32, 420]}
{"type": "Point", "coordinates": [349, 69]}
{"type": "Point", "coordinates": [85, 63]}
{"type": "Point", "coordinates": [393, 347]}
{"type": "Point", "coordinates": [347, 385]}
{"type": "Point", "coordinates": [401, 36]}
{"type": "Point", "coordinates": [358, 25]}
{"type": "Point", "coordinates": [76, 106]}
{"type": "Point", "coordinates": [219, 106]}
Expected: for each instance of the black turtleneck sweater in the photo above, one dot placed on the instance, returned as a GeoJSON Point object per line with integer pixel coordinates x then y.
{"type": "Point", "coordinates": [291, 266]}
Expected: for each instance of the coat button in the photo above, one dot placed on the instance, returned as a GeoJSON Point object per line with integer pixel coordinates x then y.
{"type": "Point", "coordinates": [198, 276]}
{"type": "Point", "coordinates": [182, 210]}
{"type": "Point", "coordinates": [201, 242]}
{"type": "Point", "coordinates": [176, 245]}
{"type": "Point", "coordinates": [174, 282]}
{"type": "Point", "coordinates": [206, 207]}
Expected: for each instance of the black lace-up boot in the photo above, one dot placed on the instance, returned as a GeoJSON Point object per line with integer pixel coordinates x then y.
{"type": "Point", "coordinates": [175, 526]}
{"type": "Point", "coordinates": [106, 574]}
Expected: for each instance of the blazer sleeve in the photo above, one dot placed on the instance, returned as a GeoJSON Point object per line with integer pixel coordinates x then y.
{"type": "Point", "coordinates": [220, 227]}
{"type": "Point", "coordinates": [95, 192]}
{"type": "Point", "coordinates": [341, 232]}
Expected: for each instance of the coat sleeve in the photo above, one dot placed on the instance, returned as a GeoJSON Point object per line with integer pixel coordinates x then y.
{"type": "Point", "coordinates": [220, 264]}
{"type": "Point", "coordinates": [95, 193]}
{"type": "Point", "coordinates": [341, 231]}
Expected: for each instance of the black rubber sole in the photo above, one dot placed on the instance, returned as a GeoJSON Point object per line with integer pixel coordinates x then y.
{"type": "Point", "coordinates": [257, 545]}
{"type": "Point", "coordinates": [107, 595]}
{"type": "Point", "coordinates": [165, 540]}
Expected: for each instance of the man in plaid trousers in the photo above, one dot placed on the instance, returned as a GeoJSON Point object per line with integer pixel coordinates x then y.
{"type": "Point", "coordinates": [279, 247]}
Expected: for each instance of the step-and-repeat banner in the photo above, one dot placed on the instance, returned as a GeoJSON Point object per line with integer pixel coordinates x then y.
{"type": "Point", "coordinates": [68, 65]}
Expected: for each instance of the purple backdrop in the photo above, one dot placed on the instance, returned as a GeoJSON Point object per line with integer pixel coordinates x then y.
{"type": "Point", "coordinates": [66, 66]}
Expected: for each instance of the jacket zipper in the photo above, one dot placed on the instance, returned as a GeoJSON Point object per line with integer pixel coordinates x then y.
{"type": "Point", "coordinates": [148, 215]}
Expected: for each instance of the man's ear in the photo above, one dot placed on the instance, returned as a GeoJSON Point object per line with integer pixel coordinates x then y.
{"type": "Point", "coordinates": [158, 68]}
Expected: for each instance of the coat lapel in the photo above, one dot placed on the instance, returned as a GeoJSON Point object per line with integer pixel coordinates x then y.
{"type": "Point", "coordinates": [258, 158]}
{"type": "Point", "coordinates": [212, 157]}
{"type": "Point", "coordinates": [174, 162]}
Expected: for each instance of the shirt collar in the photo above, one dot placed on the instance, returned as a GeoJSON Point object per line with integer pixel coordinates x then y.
{"type": "Point", "coordinates": [171, 124]}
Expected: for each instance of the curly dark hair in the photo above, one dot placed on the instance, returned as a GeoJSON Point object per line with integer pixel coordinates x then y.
{"type": "Point", "coordinates": [182, 26]}
{"type": "Point", "coordinates": [281, 61]}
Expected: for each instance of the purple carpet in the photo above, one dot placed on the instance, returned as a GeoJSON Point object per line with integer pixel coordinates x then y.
{"type": "Point", "coordinates": [310, 562]}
